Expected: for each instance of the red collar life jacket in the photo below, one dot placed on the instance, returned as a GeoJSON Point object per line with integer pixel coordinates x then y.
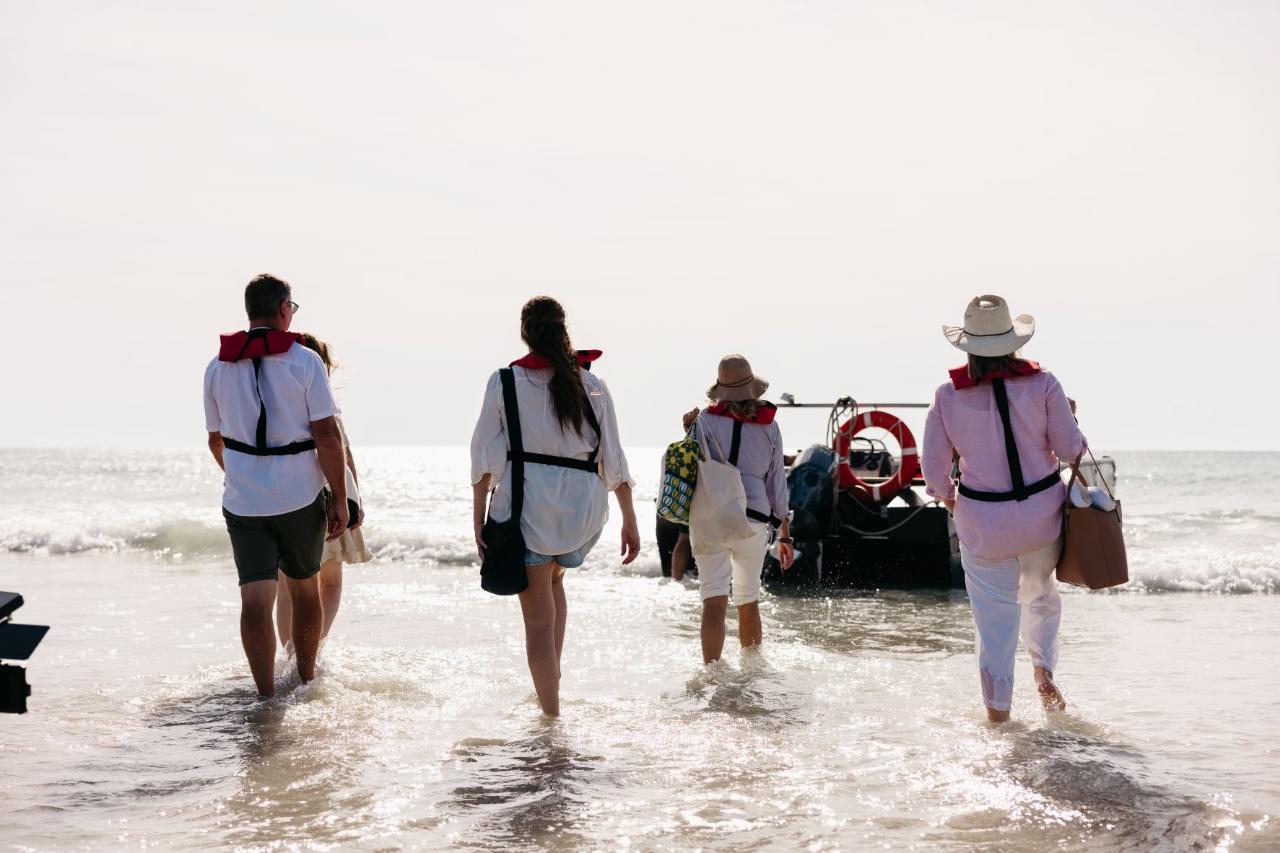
{"type": "Point", "coordinates": [533, 362]}
{"type": "Point", "coordinates": [765, 413]}
{"type": "Point", "coordinates": [961, 379]}
{"type": "Point", "coordinates": [255, 344]}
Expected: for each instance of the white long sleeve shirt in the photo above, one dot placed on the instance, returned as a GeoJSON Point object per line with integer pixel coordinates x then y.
{"type": "Point", "coordinates": [563, 507]}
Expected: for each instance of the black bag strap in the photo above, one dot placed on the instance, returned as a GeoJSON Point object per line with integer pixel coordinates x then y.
{"type": "Point", "coordinates": [736, 444]}
{"type": "Point", "coordinates": [515, 441]}
{"type": "Point", "coordinates": [1020, 492]}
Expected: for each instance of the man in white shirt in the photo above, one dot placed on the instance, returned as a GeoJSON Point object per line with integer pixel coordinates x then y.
{"type": "Point", "coordinates": [272, 428]}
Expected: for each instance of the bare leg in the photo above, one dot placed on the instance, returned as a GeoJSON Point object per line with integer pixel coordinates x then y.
{"type": "Point", "coordinates": [995, 715]}
{"type": "Point", "coordinates": [308, 622]}
{"type": "Point", "coordinates": [713, 613]}
{"type": "Point", "coordinates": [1050, 695]}
{"type": "Point", "coordinates": [330, 592]}
{"type": "Point", "coordinates": [538, 605]}
{"type": "Point", "coordinates": [562, 613]}
{"type": "Point", "coordinates": [257, 633]}
{"type": "Point", "coordinates": [750, 632]}
{"type": "Point", "coordinates": [680, 556]}
{"type": "Point", "coordinates": [284, 612]}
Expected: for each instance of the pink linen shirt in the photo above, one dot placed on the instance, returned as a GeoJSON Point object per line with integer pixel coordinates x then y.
{"type": "Point", "coordinates": [967, 421]}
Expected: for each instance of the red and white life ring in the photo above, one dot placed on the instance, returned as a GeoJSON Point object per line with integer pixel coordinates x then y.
{"type": "Point", "coordinates": [886, 491]}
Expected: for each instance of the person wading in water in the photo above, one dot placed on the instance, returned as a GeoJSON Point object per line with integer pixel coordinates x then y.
{"type": "Point", "coordinates": [273, 429]}
{"type": "Point", "coordinates": [572, 459]}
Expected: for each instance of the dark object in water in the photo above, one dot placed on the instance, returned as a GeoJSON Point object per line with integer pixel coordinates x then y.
{"type": "Point", "coordinates": [17, 642]}
{"type": "Point", "coordinates": [844, 541]}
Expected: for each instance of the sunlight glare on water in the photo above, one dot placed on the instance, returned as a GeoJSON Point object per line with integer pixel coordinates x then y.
{"type": "Point", "coordinates": [858, 725]}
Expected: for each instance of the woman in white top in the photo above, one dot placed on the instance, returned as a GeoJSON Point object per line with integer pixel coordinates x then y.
{"type": "Point", "coordinates": [738, 427]}
{"type": "Point", "coordinates": [565, 508]}
{"type": "Point", "coordinates": [347, 548]}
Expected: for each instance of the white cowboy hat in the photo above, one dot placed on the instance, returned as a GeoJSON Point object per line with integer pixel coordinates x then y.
{"type": "Point", "coordinates": [735, 381]}
{"type": "Point", "coordinates": [988, 330]}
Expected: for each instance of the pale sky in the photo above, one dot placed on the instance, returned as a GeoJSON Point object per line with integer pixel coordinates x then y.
{"type": "Point", "coordinates": [818, 185]}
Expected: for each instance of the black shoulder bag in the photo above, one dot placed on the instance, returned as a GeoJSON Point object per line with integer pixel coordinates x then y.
{"type": "Point", "coordinates": [503, 571]}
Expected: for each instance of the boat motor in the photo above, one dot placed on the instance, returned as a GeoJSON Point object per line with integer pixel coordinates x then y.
{"type": "Point", "coordinates": [812, 486]}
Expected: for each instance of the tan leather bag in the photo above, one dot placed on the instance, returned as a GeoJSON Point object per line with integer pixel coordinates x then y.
{"type": "Point", "coordinates": [1093, 552]}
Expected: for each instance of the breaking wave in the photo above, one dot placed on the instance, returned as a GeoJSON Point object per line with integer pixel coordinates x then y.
{"type": "Point", "coordinates": [1158, 561]}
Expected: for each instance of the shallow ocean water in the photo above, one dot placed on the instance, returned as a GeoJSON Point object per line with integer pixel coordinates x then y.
{"type": "Point", "coordinates": [858, 725]}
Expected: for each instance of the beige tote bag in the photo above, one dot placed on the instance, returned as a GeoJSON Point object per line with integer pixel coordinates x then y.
{"type": "Point", "coordinates": [718, 512]}
{"type": "Point", "coordinates": [1093, 552]}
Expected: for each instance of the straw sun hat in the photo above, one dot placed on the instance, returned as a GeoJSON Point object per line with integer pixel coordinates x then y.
{"type": "Point", "coordinates": [989, 330]}
{"type": "Point", "coordinates": [735, 381]}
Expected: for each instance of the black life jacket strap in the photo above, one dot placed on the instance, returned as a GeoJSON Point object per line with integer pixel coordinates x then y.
{"type": "Point", "coordinates": [756, 515]}
{"type": "Point", "coordinates": [558, 461]}
{"type": "Point", "coordinates": [736, 444]}
{"type": "Point", "coordinates": [282, 450]}
{"type": "Point", "coordinates": [1010, 445]}
{"type": "Point", "coordinates": [259, 447]}
{"type": "Point", "coordinates": [261, 436]}
{"type": "Point", "coordinates": [997, 497]}
{"type": "Point", "coordinates": [1021, 491]}
{"type": "Point", "coordinates": [590, 414]}
{"type": "Point", "coordinates": [588, 464]}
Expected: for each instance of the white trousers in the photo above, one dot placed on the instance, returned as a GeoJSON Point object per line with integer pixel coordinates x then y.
{"type": "Point", "coordinates": [738, 564]}
{"type": "Point", "coordinates": [1004, 595]}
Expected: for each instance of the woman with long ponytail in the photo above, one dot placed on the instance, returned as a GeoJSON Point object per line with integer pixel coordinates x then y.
{"type": "Point", "coordinates": [572, 457]}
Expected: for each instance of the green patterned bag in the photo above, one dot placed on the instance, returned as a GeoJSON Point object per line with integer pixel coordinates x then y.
{"type": "Point", "coordinates": [679, 476]}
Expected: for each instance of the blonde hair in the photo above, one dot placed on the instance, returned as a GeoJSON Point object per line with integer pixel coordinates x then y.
{"type": "Point", "coordinates": [745, 409]}
{"type": "Point", "coordinates": [321, 349]}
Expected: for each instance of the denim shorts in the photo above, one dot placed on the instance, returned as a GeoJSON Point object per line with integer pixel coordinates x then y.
{"type": "Point", "coordinates": [572, 560]}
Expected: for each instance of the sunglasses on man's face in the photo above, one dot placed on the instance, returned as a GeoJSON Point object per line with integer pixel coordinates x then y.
{"type": "Point", "coordinates": [293, 306]}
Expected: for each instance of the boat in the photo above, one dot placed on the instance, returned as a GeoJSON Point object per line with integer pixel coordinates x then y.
{"type": "Point", "coordinates": [860, 517]}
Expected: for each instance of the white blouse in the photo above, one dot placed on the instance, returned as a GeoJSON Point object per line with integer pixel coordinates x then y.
{"type": "Point", "coordinates": [563, 507]}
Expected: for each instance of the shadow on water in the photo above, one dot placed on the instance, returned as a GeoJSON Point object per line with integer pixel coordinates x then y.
{"type": "Point", "coordinates": [927, 622]}
{"type": "Point", "coordinates": [268, 778]}
{"type": "Point", "coordinates": [1108, 789]}
{"type": "Point", "coordinates": [156, 762]}
{"type": "Point", "coordinates": [526, 793]}
{"type": "Point", "coordinates": [1113, 785]}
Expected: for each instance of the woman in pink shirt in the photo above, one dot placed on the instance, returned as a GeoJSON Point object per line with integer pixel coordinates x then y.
{"type": "Point", "coordinates": [1010, 424]}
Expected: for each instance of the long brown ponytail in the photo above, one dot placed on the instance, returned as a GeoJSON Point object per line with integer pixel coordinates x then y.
{"type": "Point", "coordinates": [542, 326]}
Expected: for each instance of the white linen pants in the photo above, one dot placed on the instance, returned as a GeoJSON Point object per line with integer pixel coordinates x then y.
{"type": "Point", "coordinates": [737, 564]}
{"type": "Point", "coordinates": [1004, 595]}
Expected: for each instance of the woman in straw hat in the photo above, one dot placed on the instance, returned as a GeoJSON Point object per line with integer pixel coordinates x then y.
{"type": "Point", "coordinates": [1008, 512]}
{"type": "Point", "coordinates": [572, 459]}
{"type": "Point", "coordinates": [738, 427]}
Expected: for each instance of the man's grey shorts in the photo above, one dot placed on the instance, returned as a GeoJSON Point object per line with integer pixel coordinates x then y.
{"type": "Point", "coordinates": [291, 542]}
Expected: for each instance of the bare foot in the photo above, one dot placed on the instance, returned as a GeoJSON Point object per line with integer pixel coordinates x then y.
{"type": "Point", "coordinates": [1050, 696]}
{"type": "Point", "coordinates": [994, 716]}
